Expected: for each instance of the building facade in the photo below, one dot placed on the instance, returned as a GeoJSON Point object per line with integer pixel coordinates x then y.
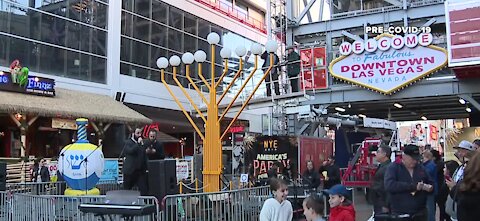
{"type": "Point", "coordinates": [111, 47]}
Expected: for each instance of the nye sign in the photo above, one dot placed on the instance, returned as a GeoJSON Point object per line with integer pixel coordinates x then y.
{"type": "Point", "coordinates": [388, 63]}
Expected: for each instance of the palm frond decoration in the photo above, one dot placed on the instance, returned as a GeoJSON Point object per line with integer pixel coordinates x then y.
{"type": "Point", "coordinates": [248, 142]}
{"type": "Point", "coordinates": [452, 136]}
{"type": "Point", "coordinates": [23, 77]}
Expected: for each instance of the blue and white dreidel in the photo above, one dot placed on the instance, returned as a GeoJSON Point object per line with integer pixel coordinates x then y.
{"type": "Point", "coordinates": [81, 164]}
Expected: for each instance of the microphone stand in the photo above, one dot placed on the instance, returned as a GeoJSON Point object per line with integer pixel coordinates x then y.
{"type": "Point", "coordinates": [86, 167]}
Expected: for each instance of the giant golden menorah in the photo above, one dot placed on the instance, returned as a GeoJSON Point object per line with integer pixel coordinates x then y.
{"type": "Point", "coordinates": [212, 148]}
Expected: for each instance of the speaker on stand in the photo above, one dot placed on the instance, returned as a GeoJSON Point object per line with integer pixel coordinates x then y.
{"type": "Point", "coordinates": [162, 178]}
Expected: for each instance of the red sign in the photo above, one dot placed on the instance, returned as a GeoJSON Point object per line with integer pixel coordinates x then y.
{"type": "Point", "coordinates": [236, 129]}
{"type": "Point", "coordinates": [148, 128]}
{"type": "Point", "coordinates": [313, 61]}
{"type": "Point", "coordinates": [315, 56]}
{"type": "Point", "coordinates": [319, 80]}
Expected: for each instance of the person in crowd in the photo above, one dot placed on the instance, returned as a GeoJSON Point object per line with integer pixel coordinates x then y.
{"type": "Point", "coordinates": [293, 68]}
{"type": "Point", "coordinates": [340, 203]}
{"type": "Point", "coordinates": [463, 152]}
{"type": "Point", "coordinates": [135, 163]}
{"type": "Point", "coordinates": [469, 192]}
{"type": "Point", "coordinates": [440, 199]}
{"type": "Point", "coordinates": [476, 144]}
{"type": "Point", "coordinates": [380, 203]}
{"type": "Point", "coordinates": [273, 75]}
{"type": "Point", "coordinates": [288, 173]}
{"type": "Point", "coordinates": [330, 172]}
{"type": "Point", "coordinates": [44, 173]}
{"type": "Point", "coordinates": [277, 208]}
{"type": "Point", "coordinates": [34, 171]}
{"type": "Point", "coordinates": [313, 208]}
{"type": "Point", "coordinates": [408, 185]}
{"type": "Point", "coordinates": [431, 169]}
{"type": "Point", "coordinates": [311, 178]}
{"type": "Point", "coordinates": [331, 175]}
{"type": "Point", "coordinates": [153, 147]}
{"type": "Point", "coordinates": [273, 171]}
{"type": "Point", "coordinates": [448, 170]}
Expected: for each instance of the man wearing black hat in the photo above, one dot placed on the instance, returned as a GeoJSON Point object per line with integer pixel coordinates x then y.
{"type": "Point", "coordinates": [408, 185]}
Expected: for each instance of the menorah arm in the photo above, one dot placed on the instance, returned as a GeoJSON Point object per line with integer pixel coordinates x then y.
{"type": "Point", "coordinates": [241, 89]}
{"type": "Point", "coordinates": [181, 106]}
{"type": "Point", "coordinates": [240, 70]}
{"type": "Point", "coordinates": [249, 98]}
{"type": "Point", "coordinates": [200, 74]}
{"type": "Point", "coordinates": [187, 95]}
{"type": "Point", "coordinates": [195, 86]}
{"type": "Point", "coordinates": [225, 71]}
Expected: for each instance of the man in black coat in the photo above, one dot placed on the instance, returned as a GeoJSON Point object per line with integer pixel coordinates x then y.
{"type": "Point", "coordinates": [379, 195]}
{"type": "Point", "coordinates": [408, 185]}
{"type": "Point", "coordinates": [330, 173]}
{"type": "Point", "coordinates": [273, 75]}
{"type": "Point", "coordinates": [293, 68]}
{"type": "Point", "coordinates": [135, 163]}
{"type": "Point", "coordinates": [154, 148]}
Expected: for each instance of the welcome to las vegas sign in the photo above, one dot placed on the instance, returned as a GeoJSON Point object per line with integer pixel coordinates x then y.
{"type": "Point", "coordinates": [388, 62]}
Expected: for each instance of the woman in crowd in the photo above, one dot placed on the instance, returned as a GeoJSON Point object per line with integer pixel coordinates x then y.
{"type": "Point", "coordinates": [313, 208]}
{"type": "Point", "coordinates": [277, 208]}
{"type": "Point", "coordinates": [469, 193]}
{"type": "Point", "coordinates": [448, 170]}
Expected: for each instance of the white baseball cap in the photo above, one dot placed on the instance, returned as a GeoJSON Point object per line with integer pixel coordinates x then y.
{"type": "Point", "coordinates": [465, 145]}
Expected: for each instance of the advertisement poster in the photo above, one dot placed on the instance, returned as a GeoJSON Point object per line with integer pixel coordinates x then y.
{"type": "Point", "coordinates": [313, 60]}
{"type": "Point", "coordinates": [269, 150]}
{"type": "Point", "coordinates": [420, 132]}
{"type": "Point", "coordinates": [182, 170]}
{"type": "Point", "coordinates": [110, 171]}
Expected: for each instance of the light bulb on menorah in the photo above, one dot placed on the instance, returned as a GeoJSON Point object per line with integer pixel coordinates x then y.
{"type": "Point", "coordinates": [212, 148]}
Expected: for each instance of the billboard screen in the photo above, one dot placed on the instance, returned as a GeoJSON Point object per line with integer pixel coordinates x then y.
{"type": "Point", "coordinates": [463, 32]}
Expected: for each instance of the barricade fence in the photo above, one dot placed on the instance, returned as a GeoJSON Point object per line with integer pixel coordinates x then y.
{"type": "Point", "coordinates": [25, 207]}
{"type": "Point", "coordinates": [55, 188]}
{"type": "Point", "coordinates": [241, 205]}
{"type": "Point", "coordinates": [45, 201]}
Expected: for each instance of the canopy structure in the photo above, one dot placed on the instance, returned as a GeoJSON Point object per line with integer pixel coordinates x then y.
{"type": "Point", "coordinates": [71, 104]}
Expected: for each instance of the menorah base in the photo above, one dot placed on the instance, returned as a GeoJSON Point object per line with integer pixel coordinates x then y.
{"type": "Point", "coordinates": [72, 192]}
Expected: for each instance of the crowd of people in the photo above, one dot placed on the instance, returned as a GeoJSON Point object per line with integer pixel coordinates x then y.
{"type": "Point", "coordinates": [412, 188]}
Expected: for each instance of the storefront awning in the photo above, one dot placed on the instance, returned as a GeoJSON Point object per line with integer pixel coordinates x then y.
{"type": "Point", "coordinates": [71, 104]}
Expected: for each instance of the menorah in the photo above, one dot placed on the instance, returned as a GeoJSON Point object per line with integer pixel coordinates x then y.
{"type": "Point", "coordinates": [212, 148]}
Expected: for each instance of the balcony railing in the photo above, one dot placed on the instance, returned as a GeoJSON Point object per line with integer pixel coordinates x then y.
{"type": "Point", "coordinates": [234, 13]}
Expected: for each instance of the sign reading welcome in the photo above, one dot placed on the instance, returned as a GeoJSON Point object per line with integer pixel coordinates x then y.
{"type": "Point", "coordinates": [388, 62]}
{"type": "Point", "coordinates": [32, 85]}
